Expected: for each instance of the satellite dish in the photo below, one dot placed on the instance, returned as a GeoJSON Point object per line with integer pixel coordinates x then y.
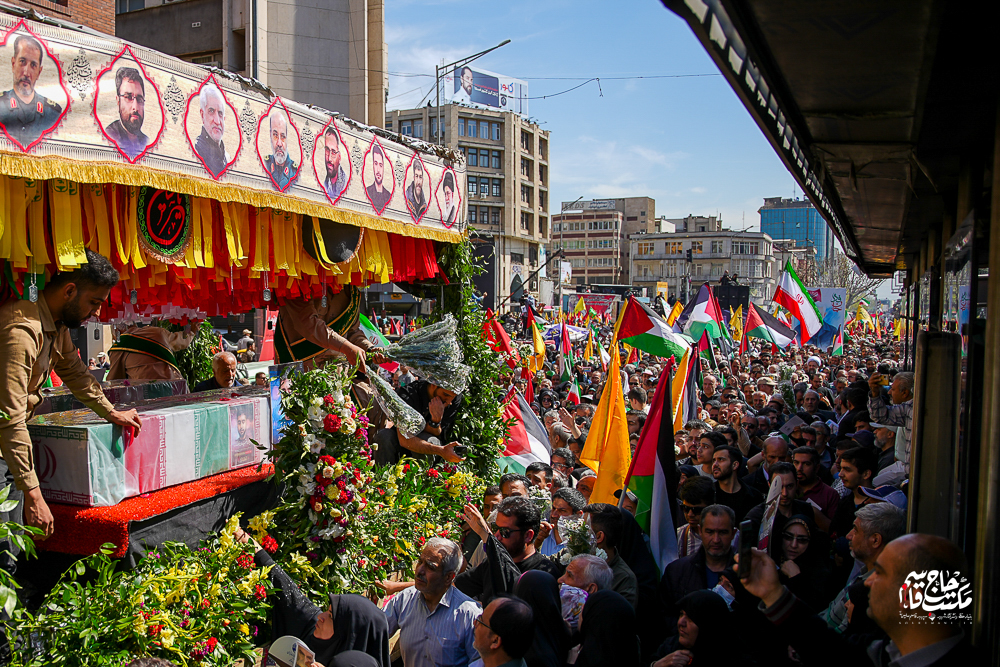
{"type": "Point", "coordinates": [340, 241]}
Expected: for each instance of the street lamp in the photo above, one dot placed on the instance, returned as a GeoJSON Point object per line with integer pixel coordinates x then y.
{"type": "Point", "coordinates": [437, 81]}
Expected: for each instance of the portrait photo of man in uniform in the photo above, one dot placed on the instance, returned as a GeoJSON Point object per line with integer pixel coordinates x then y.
{"type": "Point", "coordinates": [378, 193]}
{"type": "Point", "coordinates": [25, 114]}
{"type": "Point", "coordinates": [449, 209]}
{"type": "Point", "coordinates": [336, 178]}
{"type": "Point", "coordinates": [127, 132]}
{"type": "Point", "coordinates": [210, 145]}
{"type": "Point", "coordinates": [416, 199]}
{"type": "Point", "coordinates": [279, 165]}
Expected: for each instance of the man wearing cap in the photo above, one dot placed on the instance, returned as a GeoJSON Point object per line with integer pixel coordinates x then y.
{"type": "Point", "coordinates": [900, 413]}
{"type": "Point", "coordinates": [766, 384]}
{"type": "Point", "coordinates": [102, 361]}
{"type": "Point", "coordinates": [247, 343]}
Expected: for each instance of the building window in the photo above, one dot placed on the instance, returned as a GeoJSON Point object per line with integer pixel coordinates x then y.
{"type": "Point", "coordinates": [644, 248]}
{"type": "Point", "coordinates": [496, 131]}
{"type": "Point", "coordinates": [696, 247]}
{"type": "Point", "coordinates": [497, 188]}
{"type": "Point", "coordinates": [542, 204]}
{"type": "Point", "coordinates": [577, 263]}
{"type": "Point", "coordinates": [716, 270]}
{"type": "Point", "coordinates": [525, 167]}
{"type": "Point", "coordinates": [543, 176]}
{"type": "Point", "coordinates": [121, 6]}
{"type": "Point", "coordinates": [461, 127]}
{"type": "Point", "coordinates": [406, 128]}
{"type": "Point", "coordinates": [472, 129]}
{"type": "Point", "coordinates": [484, 159]}
{"type": "Point", "coordinates": [484, 187]}
{"type": "Point", "coordinates": [495, 159]}
{"type": "Point", "coordinates": [525, 142]}
{"type": "Point", "coordinates": [484, 130]}
{"type": "Point", "coordinates": [746, 247]}
{"type": "Point", "coordinates": [717, 247]}
{"type": "Point", "coordinates": [473, 157]}
{"type": "Point", "coordinates": [526, 220]}
{"type": "Point", "coordinates": [472, 185]}
{"type": "Point", "coordinates": [543, 149]}
{"type": "Point", "coordinates": [418, 129]}
{"type": "Point", "coordinates": [697, 269]}
{"type": "Point", "coordinates": [543, 226]}
{"type": "Point", "coordinates": [388, 124]}
{"type": "Point", "coordinates": [517, 258]}
{"type": "Point", "coordinates": [472, 214]}
{"type": "Point", "coordinates": [533, 254]}
{"type": "Point", "coordinates": [495, 216]}
{"type": "Point", "coordinates": [526, 195]}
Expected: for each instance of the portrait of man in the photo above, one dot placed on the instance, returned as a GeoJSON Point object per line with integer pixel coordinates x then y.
{"type": "Point", "coordinates": [378, 194]}
{"type": "Point", "coordinates": [210, 145]}
{"type": "Point", "coordinates": [464, 93]}
{"type": "Point", "coordinates": [127, 130]}
{"type": "Point", "coordinates": [25, 114]}
{"type": "Point", "coordinates": [449, 212]}
{"type": "Point", "coordinates": [416, 200]}
{"type": "Point", "coordinates": [278, 164]}
{"type": "Point", "coordinates": [242, 449]}
{"type": "Point", "coordinates": [336, 177]}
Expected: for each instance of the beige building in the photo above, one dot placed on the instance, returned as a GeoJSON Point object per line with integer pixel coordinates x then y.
{"type": "Point", "coordinates": [330, 54]}
{"type": "Point", "coordinates": [594, 235]}
{"type": "Point", "coordinates": [699, 251]}
{"type": "Point", "coordinates": [508, 185]}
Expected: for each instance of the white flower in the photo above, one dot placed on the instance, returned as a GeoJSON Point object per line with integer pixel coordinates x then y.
{"type": "Point", "coordinates": [338, 397]}
{"type": "Point", "coordinates": [313, 517]}
{"type": "Point", "coordinates": [344, 413]}
{"type": "Point", "coordinates": [566, 557]}
{"type": "Point", "coordinates": [304, 479]}
{"type": "Point", "coordinates": [332, 532]}
{"type": "Point", "coordinates": [311, 469]}
{"type": "Point", "coordinates": [317, 446]}
{"type": "Point", "coordinates": [315, 414]}
{"type": "Point", "coordinates": [601, 553]}
{"type": "Point", "coordinates": [306, 489]}
{"type": "Point", "coordinates": [348, 426]}
{"type": "Point", "coordinates": [317, 401]}
{"type": "Point", "coordinates": [328, 472]}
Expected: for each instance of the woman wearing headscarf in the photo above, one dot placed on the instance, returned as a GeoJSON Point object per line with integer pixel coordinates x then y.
{"type": "Point", "coordinates": [552, 638]}
{"type": "Point", "coordinates": [634, 550]}
{"type": "Point", "coordinates": [802, 554]}
{"type": "Point", "coordinates": [703, 636]}
{"type": "Point", "coordinates": [349, 623]}
{"type": "Point", "coordinates": [607, 632]}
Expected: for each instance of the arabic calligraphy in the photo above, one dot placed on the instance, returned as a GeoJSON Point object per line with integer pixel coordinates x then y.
{"type": "Point", "coordinates": [932, 592]}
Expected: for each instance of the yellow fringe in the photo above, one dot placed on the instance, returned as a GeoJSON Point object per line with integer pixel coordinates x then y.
{"type": "Point", "coordinates": [53, 167]}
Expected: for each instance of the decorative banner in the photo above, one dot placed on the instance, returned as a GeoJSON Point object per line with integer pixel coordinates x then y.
{"type": "Point", "coordinates": [832, 304]}
{"type": "Point", "coordinates": [416, 185]}
{"type": "Point", "coordinates": [164, 223]}
{"type": "Point", "coordinates": [93, 109]}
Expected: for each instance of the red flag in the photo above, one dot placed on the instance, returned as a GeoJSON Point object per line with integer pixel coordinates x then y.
{"type": "Point", "coordinates": [529, 390]}
{"type": "Point", "coordinates": [498, 339]}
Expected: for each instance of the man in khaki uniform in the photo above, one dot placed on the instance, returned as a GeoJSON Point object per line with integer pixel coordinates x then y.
{"type": "Point", "coordinates": [34, 341]}
{"type": "Point", "coordinates": [315, 335]}
{"type": "Point", "coordinates": [147, 353]}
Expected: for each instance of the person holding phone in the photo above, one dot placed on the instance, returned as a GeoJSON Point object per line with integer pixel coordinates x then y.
{"type": "Point", "coordinates": [439, 407]}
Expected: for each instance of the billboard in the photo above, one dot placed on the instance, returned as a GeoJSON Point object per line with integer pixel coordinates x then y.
{"type": "Point", "coordinates": [478, 87]}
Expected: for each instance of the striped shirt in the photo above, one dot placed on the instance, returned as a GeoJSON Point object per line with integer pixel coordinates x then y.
{"type": "Point", "coordinates": [442, 638]}
{"type": "Point", "coordinates": [894, 415]}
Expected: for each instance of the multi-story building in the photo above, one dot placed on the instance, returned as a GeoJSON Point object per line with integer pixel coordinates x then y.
{"type": "Point", "coordinates": [798, 220]}
{"type": "Point", "coordinates": [96, 14]}
{"type": "Point", "coordinates": [508, 184]}
{"type": "Point", "coordinates": [594, 235]}
{"type": "Point", "coordinates": [701, 250]}
{"type": "Point", "coordinates": [330, 54]}
{"type": "Point", "coordinates": [803, 259]}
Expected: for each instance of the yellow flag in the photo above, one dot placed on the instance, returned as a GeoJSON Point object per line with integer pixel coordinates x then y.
{"type": "Point", "coordinates": [588, 352]}
{"type": "Point", "coordinates": [675, 312]}
{"type": "Point", "coordinates": [677, 389]}
{"type": "Point", "coordinates": [537, 362]}
{"type": "Point", "coordinates": [865, 317]}
{"type": "Point", "coordinates": [736, 323]}
{"type": "Point", "coordinates": [607, 450]}
{"type": "Point", "coordinates": [580, 306]}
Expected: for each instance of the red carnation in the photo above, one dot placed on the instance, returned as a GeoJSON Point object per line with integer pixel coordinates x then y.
{"type": "Point", "coordinates": [212, 642]}
{"type": "Point", "coordinates": [433, 473]}
{"type": "Point", "coordinates": [259, 592]}
{"type": "Point", "coordinates": [245, 561]}
{"type": "Point", "coordinates": [328, 400]}
{"type": "Point", "coordinates": [331, 423]}
{"type": "Point", "coordinates": [270, 544]}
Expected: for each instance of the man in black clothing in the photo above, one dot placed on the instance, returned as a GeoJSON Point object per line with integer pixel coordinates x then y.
{"type": "Point", "coordinates": [223, 374]}
{"type": "Point", "coordinates": [510, 550]}
{"type": "Point", "coordinates": [438, 406]}
{"type": "Point", "coordinates": [788, 506]}
{"type": "Point", "coordinates": [741, 498]}
{"type": "Point", "coordinates": [857, 470]}
{"type": "Point", "coordinates": [775, 451]}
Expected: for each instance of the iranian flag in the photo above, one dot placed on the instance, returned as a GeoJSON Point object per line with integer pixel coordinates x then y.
{"type": "Point", "coordinates": [642, 329]}
{"type": "Point", "coordinates": [376, 337]}
{"type": "Point", "coordinates": [653, 476]}
{"type": "Point", "coordinates": [760, 324]}
{"type": "Point", "coordinates": [527, 441]}
{"type": "Point", "coordinates": [794, 297]}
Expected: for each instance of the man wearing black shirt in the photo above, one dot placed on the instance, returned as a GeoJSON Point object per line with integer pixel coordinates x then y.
{"type": "Point", "coordinates": [510, 550]}
{"type": "Point", "coordinates": [741, 498]}
{"type": "Point", "coordinates": [438, 406]}
{"type": "Point", "coordinates": [788, 506]}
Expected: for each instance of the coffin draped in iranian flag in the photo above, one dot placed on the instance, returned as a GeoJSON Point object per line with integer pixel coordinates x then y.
{"type": "Point", "coordinates": [83, 460]}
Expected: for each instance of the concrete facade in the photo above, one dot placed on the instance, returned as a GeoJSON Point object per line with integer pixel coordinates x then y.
{"type": "Point", "coordinates": [685, 258]}
{"type": "Point", "coordinates": [329, 53]}
{"type": "Point", "coordinates": [596, 240]}
{"type": "Point", "coordinates": [96, 14]}
{"type": "Point", "coordinates": [507, 197]}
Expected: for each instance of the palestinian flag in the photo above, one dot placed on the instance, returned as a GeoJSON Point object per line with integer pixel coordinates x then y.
{"type": "Point", "coordinates": [376, 337]}
{"type": "Point", "coordinates": [566, 356]}
{"type": "Point", "coordinates": [795, 298]}
{"type": "Point", "coordinates": [527, 441]}
{"type": "Point", "coordinates": [764, 326]}
{"type": "Point", "coordinates": [838, 344]}
{"type": "Point", "coordinates": [704, 315]}
{"type": "Point", "coordinates": [684, 389]}
{"type": "Point", "coordinates": [642, 329]}
{"type": "Point", "coordinates": [652, 477]}
{"type": "Point", "coordinates": [707, 351]}
{"type": "Point", "coordinates": [529, 387]}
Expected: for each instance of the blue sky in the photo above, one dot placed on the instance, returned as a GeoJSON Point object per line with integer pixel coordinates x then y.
{"type": "Point", "coordinates": [686, 142]}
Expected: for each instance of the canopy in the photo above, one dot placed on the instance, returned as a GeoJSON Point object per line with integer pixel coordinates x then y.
{"type": "Point", "coordinates": [202, 187]}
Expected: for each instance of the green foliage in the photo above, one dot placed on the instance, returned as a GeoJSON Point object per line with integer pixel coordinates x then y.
{"type": "Point", "coordinates": [195, 362]}
{"type": "Point", "coordinates": [479, 423]}
{"type": "Point", "coordinates": [20, 537]}
{"type": "Point", "coordinates": [190, 606]}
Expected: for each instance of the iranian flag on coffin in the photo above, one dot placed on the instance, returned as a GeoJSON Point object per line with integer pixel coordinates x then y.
{"type": "Point", "coordinates": [643, 330]}
{"type": "Point", "coordinates": [528, 442]}
{"type": "Point", "coordinates": [376, 337]}
{"type": "Point", "coordinates": [795, 298]}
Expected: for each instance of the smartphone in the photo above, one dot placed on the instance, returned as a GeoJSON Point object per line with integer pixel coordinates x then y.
{"type": "Point", "coordinates": [461, 450]}
{"type": "Point", "coordinates": [746, 543]}
{"type": "Point", "coordinates": [884, 381]}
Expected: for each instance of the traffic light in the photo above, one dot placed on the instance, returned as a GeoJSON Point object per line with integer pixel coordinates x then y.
{"type": "Point", "coordinates": [689, 256]}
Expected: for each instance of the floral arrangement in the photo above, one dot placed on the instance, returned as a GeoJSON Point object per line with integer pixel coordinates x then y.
{"type": "Point", "coordinates": [579, 539]}
{"type": "Point", "coordinates": [434, 353]}
{"type": "Point", "coordinates": [541, 498]}
{"type": "Point", "coordinates": [404, 417]}
{"type": "Point", "coordinates": [202, 606]}
{"type": "Point", "coordinates": [343, 523]}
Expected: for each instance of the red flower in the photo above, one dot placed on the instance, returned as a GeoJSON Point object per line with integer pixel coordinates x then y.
{"type": "Point", "coordinates": [245, 561]}
{"type": "Point", "coordinates": [259, 592]}
{"type": "Point", "coordinates": [331, 423]}
{"type": "Point", "coordinates": [270, 544]}
{"type": "Point", "coordinates": [154, 630]}
{"type": "Point", "coordinates": [406, 467]}
{"type": "Point", "coordinates": [328, 400]}
{"type": "Point", "coordinates": [211, 643]}
{"type": "Point", "coordinates": [433, 473]}
{"type": "Point", "coordinates": [205, 603]}
{"type": "Point", "coordinates": [327, 459]}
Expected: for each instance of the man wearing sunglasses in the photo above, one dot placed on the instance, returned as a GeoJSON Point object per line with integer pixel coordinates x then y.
{"type": "Point", "coordinates": [509, 546]}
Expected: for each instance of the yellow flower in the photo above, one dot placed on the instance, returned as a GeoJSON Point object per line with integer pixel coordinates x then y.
{"type": "Point", "coordinates": [214, 591]}
{"type": "Point", "coordinates": [332, 492]}
{"type": "Point", "coordinates": [167, 637]}
{"type": "Point", "coordinates": [244, 628]}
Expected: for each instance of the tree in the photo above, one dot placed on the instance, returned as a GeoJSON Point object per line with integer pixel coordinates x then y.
{"type": "Point", "coordinates": [838, 271]}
